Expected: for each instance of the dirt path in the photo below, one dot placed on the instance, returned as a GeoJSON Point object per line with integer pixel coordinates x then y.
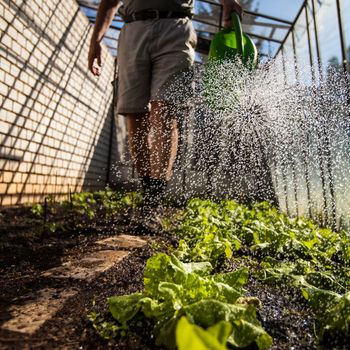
{"type": "Point", "coordinates": [46, 293]}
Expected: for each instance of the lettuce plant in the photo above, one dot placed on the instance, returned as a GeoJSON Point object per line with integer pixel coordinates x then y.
{"type": "Point", "coordinates": [206, 233]}
{"type": "Point", "coordinates": [332, 311]}
{"type": "Point", "coordinates": [174, 289]}
{"type": "Point", "coordinates": [292, 251]}
{"type": "Point", "coordinates": [190, 336]}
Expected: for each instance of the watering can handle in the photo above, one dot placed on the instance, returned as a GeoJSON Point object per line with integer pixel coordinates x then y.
{"type": "Point", "coordinates": [237, 27]}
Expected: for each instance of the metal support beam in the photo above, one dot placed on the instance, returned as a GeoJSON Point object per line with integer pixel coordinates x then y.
{"type": "Point", "coordinates": [292, 26]}
{"type": "Point", "coordinates": [305, 152]}
{"type": "Point", "coordinates": [199, 20]}
{"type": "Point", "coordinates": [268, 25]}
{"type": "Point", "coordinates": [316, 38]}
{"type": "Point", "coordinates": [250, 34]}
{"type": "Point", "coordinates": [295, 57]}
{"type": "Point", "coordinates": [341, 35]}
{"type": "Point", "coordinates": [309, 41]}
{"type": "Point", "coordinates": [282, 160]}
{"type": "Point", "coordinates": [264, 38]}
{"type": "Point", "coordinates": [252, 13]}
{"type": "Point", "coordinates": [272, 18]}
{"type": "Point", "coordinates": [294, 165]}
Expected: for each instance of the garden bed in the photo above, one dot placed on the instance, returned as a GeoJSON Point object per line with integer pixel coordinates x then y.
{"type": "Point", "coordinates": [280, 274]}
{"type": "Point", "coordinates": [71, 328]}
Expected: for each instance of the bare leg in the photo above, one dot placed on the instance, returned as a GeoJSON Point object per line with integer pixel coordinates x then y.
{"type": "Point", "coordinates": [164, 141]}
{"type": "Point", "coordinates": [138, 126]}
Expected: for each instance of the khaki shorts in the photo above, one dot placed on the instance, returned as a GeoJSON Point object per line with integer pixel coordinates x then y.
{"type": "Point", "coordinates": [150, 54]}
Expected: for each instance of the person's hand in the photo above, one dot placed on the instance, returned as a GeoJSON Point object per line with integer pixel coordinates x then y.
{"type": "Point", "coordinates": [229, 7]}
{"type": "Point", "coordinates": [94, 57]}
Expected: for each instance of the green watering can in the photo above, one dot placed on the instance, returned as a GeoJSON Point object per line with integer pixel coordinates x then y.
{"type": "Point", "coordinates": [228, 43]}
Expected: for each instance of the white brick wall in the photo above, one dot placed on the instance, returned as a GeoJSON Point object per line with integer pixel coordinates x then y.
{"type": "Point", "coordinates": [55, 116]}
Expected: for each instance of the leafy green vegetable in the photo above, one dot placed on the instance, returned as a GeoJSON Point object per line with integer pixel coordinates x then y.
{"type": "Point", "coordinates": [206, 233]}
{"type": "Point", "coordinates": [174, 288]}
{"type": "Point", "coordinates": [331, 309]}
{"type": "Point", "coordinates": [243, 318]}
{"type": "Point", "coordinates": [37, 209]}
{"type": "Point", "coordinates": [190, 336]}
{"type": "Point", "coordinates": [292, 251]}
{"type": "Point", "coordinates": [105, 202]}
{"type": "Point", "coordinates": [167, 278]}
{"type": "Point", "coordinates": [105, 329]}
{"type": "Point", "coordinates": [280, 249]}
{"type": "Point", "coordinates": [123, 307]}
{"type": "Point", "coordinates": [208, 228]}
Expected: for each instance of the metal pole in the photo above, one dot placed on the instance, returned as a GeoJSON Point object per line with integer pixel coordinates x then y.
{"type": "Point", "coordinates": [331, 181]}
{"type": "Point", "coordinates": [284, 175]}
{"type": "Point", "coordinates": [326, 131]}
{"type": "Point", "coordinates": [320, 148]}
{"type": "Point", "coordinates": [342, 35]}
{"type": "Point", "coordinates": [319, 60]}
{"type": "Point", "coordinates": [323, 176]}
{"type": "Point", "coordinates": [307, 175]}
{"type": "Point", "coordinates": [293, 162]}
{"type": "Point", "coordinates": [305, 153]}
{"type": "Point", "coordinates": [295, 57]}
{"type": "Point", "coordinates": [252, 13]}
{"type": "Point", "coordinates": [45, 210]}
{"type": "Point", "coordinates": [262, 15]}
{"type": "Point", "coordinates": [291, 28]}
{"type": "Point", "coordinates": [309, 41]}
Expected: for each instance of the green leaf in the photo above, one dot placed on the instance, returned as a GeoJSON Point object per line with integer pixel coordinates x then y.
{"type": "Point", "coordinates": [320, 299]}
{"type": "Point", "coordinates": [163, 268]}
{"type": "Point", "coordinates": [226, 293]}
{"type": "Point", "coordinates": [123, 308]}
{"type": "Point", "coordinates": [166, 333]}
{"type": "Point", "coordinates": [332, 310]}
{"type": "Point", "coordinates": [338, 316]}
{"type": "Point", "coordinates": [221, 331]}
{"type": "Point", "coordinates": [171, 291]}
{"type": "Point", "coordinates": [234, 279]}
{"type": "Point", "coordinates": [105, 329]}
{"type": "Point", "coordinates": [189, 336]}
{"type": "Point", "coordinates": [264, 341]}
{"type": "Point", "coordinates": [200, 268]}
{"type": "Point", "coordinates": [151, 308]}
{"type": "Point", "coordinates": [228, 250]}
{"type": "Point", "coordinates": [246, 328]}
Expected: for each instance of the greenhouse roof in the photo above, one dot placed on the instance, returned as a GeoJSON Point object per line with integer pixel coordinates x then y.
{"type": "Point", "coordinates": [268, 22]}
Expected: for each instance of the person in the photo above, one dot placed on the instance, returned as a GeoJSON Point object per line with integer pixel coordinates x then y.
{"type": "Point", "coordinates": [156, 42]}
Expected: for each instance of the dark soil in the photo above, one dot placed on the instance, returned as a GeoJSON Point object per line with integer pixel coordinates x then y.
{"type": "Point", "coordinates": [23, 258]}
{"type": "Point", "coordinates": [24, 255]}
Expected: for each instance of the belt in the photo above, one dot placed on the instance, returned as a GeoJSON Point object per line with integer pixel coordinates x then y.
{"type": "Point", "coordinates": [154, 14]}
